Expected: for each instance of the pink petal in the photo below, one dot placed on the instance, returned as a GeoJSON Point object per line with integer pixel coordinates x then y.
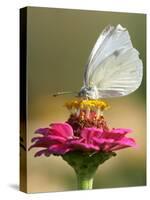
{"type": "Point", "coordinates": [78, 145]}
{"type": "Point", "coordinates": [124, 143]}
{"type": "Point", "coordinates": [121, 130]}
{"type": "Point", "coordinates": [39, 153]}
{"type": "Point", "coordinates": [57, 138]}
{"type": "Point", "coordinates": [62, 129]}
{"type": "Point", "coordinates": [43, 142]}
{"type": "Point", "coordinates": [43, 131]}
{"type": "Point", "coordinates": [34, 139]}
{"type": "Point", "coordinates": [116, 134]}
{"type": "Point", "coordinates": [127, 141]}
{"type": "Point", "coordinates": [89, 133]}
{"type": "Point", "coordinates": [58, 149]}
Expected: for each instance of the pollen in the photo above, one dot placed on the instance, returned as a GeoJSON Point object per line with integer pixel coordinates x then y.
{"type": "Point", "coordinates": [94, 104]}
{"type": "Point", "coordinates": [87, 107]}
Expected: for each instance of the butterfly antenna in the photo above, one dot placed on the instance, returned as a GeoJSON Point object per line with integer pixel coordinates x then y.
{"type": "Point", "coordinates": [63, 93]}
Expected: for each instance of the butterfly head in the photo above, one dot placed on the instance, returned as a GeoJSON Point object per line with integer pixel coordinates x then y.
{"type": "Point", "coordinates": [90, 92]}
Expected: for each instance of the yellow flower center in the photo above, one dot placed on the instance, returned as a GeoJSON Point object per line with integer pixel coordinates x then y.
{"type": "Point", "coordinates": [86, 107]}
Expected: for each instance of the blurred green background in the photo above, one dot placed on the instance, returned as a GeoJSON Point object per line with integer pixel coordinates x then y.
{"type": "Point", "coordinates": [59, 42]}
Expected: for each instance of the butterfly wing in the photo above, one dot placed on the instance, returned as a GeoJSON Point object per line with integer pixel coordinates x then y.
{"type": "Point", "coordinates": [114, 66]}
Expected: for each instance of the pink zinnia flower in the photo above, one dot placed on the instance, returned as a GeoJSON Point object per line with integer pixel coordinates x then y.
{"type": "Point", "coordinates": [59, 139]}
{"type": "Point", "coordinates": [85, 131]}
{"type": "Point", "coordinates": [84, 141]}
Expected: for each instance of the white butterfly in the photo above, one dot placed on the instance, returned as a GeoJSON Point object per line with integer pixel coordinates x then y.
{"type": "Point", "coordinates": [114, 68]}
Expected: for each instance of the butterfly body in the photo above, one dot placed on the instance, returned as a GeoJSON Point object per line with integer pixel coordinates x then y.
{"type": "Point", "coordinates": [90, 92]}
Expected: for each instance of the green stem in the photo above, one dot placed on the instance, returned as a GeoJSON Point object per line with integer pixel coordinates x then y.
{"type": "Point", "coordinates": [85, 166]}
{"type": "Point", "coordinates": [84, 183]}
